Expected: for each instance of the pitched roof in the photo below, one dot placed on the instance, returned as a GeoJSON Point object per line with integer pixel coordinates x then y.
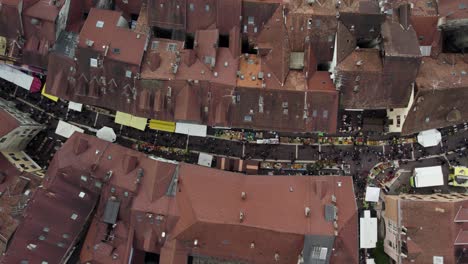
{"type": "Point", "coordinates": [53, 222]}
{"type": "Point", "coordinates": [45, 10]}
{"type": "Point", "coordinates": [423, 220]}
{"type": "Point", "coordinates": [214, 202]}
{"type": "Point", "coordinates": [277, 59]}
{"type": "Point", "coordinates": [123, 44]}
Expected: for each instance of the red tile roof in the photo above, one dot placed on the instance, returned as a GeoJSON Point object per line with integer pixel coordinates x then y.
{"type": "Point", "coordinates": [130, 45]}
{"type": "Point", "coordinates": [423, 220]}
{"type": "Point", "coordinates": [53, 222]}
{"type": "Point", "coordinates": [206, 207]}
{"type": "Point", "coordinates": [210, 202]}
{"type": "Point", "coordinates": [45, 10]}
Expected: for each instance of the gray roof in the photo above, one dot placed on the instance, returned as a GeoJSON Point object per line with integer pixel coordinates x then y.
{"type": "Point", "coordinates": [111, 212]}
{"type": "Point", "coordinates": [317, 249]}
{"type": "Point", "coordinates": [66, 44]}
{"type": "Point", "coordinates": [330, 212]}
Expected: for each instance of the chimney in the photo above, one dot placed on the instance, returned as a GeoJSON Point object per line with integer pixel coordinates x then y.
{"type": "Point", "coordinates": [404, 12]}
{"type": "Point", "coordinates": [243, 195]}
{"type": "Point", "coordinates": [307, 211]}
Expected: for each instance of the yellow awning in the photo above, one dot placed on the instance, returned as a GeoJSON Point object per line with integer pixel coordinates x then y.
{"type": "Point", "coordinates": [51, 97]}
{"type": "Point", "coordinates": [162, 125]}
{"type": "Point", "coordinates": [131, 121]}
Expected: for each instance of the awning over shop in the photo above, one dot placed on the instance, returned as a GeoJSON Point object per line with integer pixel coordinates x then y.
{"type": "Point", "coordinates": [205, 159]}
{"type": "Point", "coordinates": [16, 76]}
{"type": "Point", "coordinates": [75, 106]}
{"type": "Point", "coordinates": [368, 230]}
{"type": "Point", "coordinates": [66, 130]}
{"type": "Point", "coordinates": [429, 138]}
{"type": "Point", "coordinates": [162, 125]}
{"type": "Point", "coordinates": [51, 97]}
{"type": "Point", "coordinates": [131, 121]}
{"type": "Point", "coordinates": [107, 134]}
{"type": "Point", "coordinates": [191, 129]}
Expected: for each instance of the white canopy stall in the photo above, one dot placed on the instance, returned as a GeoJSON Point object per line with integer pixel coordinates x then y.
{"type": "Point", "coordinates": [107, 134]}
{"type": "Point", "coordinates": [429, 138]}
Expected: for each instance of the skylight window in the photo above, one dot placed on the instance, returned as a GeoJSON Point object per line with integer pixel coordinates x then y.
{"type": "Point", "coordinates": [100, 24]}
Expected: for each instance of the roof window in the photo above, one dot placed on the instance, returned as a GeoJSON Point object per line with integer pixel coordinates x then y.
{"type": "Point", "coordinates": [100, 24]}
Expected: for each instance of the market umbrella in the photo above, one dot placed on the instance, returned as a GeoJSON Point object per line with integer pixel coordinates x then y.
{"type": "Point", "coordinates": [107, 134]}
{"type": "Point", "coordinates": [429, 138]}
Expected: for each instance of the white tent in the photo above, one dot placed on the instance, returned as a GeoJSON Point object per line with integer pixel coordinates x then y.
{"type": "Point", "coordinates": [65, 129]}
{"type": "Point", "coordinates": [429, 138]}
{"type": "Point", "coordinates": [75, 106]}
{"type": "Point", "coordinates": [16, 76]}
{"type": "Point", "coordinates": [107, 134]}
{"type": "Point", "coordinates": [372, 194]}
{"type": "Point", "coordinates": [191, 129]}
{"type": "Point", "coordinates": [368, 230]}
{"type": "Point", "coordinates": [428, 176]}
{"type": "Point", "coordinates": [205, 159]}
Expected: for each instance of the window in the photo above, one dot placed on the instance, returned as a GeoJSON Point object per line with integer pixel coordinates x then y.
{"type": "Point", "coordinates": [319, 253]}
{"type": "Point", "coordinates": [154, 45]}
{"type": "Point", "coordinates": [247, 118]}
{"type": "Point", "coordinates": [93, 62]}
{"type": "Point", "coordinates": [3, 139]}
{"type": "Point", "coordinates": [171, 47]}
{"type": "Point", "coordinates": [74, 216]}
{"type": "Point", "coordinates": [100, 24]}
{"type": "Point", "coordinates": [192, 7]}
{"type": "Point", "coordinates": [98, 184]}
{"type": "Point", "coordinates": [325, 113]}
{"type": "Point", "coordinates": [116, 50]}
{"type": "Point", "coordinates": [84, 178]}
{"type": "Point", "coordinates": [314, 113]}
{"type": "Point", "coordinates": [250, 20]}
{"type": "Point", "coordinates": [128, 74]}
{"type": "Point", "coordinates": [207, 8]}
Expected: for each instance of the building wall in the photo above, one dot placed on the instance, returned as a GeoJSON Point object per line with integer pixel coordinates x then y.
{"type": "Point", "coordinates": [393, 114]}
{"type": "Point", "coordinates": [19, 138]}
{"type": "Point", "coordinates": [22, 161]}
{"type": "Point", "coordinates": [391, 240]}
{"type": "Point", "coordinates": [62, 18]}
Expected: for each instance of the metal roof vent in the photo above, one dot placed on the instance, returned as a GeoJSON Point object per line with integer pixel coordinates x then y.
{"type": "Point", "coordinates": [241, 217]}
{"type": "Point", "coordinates": [215, 74]}
{"type": "Point", "coordinates": [195, 242]}
{"type": "Point", "coordinates": [243, 195]}
{"type": "Point", "coordinates": [307, 211]}
{"type": "Point", "coordinates": [277, 256]}
{"type": "Point", "coordinates": [163, 234]}
{"type": "Point", "coordinates": [252, 245]}
{"type": "Point", "coordinates": [359, 63]}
